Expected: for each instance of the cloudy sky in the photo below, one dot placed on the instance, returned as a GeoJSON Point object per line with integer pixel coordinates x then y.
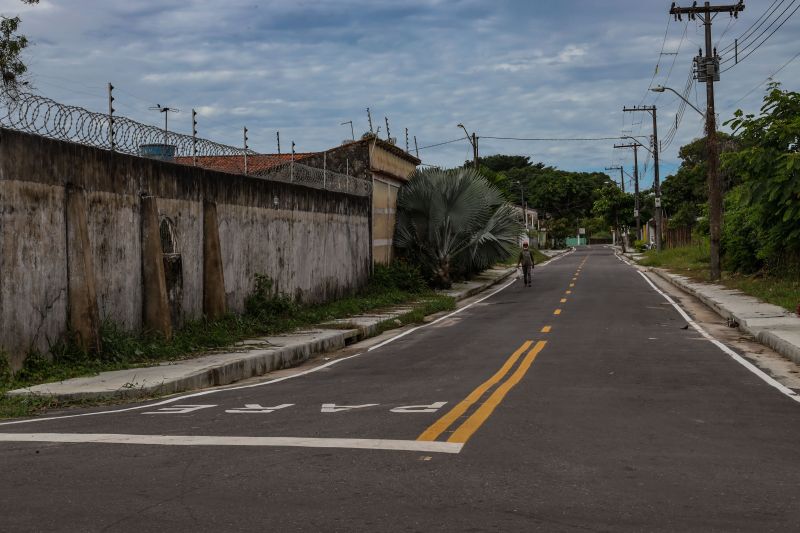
{"type": "Point", "coordinates": [531, 69]}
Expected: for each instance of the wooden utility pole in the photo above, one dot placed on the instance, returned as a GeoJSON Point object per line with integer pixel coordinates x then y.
{"type": "Point", "coordinates": [621, 176]}
{"type": "Point", "coordinates": [656, 171]}
{"type": "Point", "coordinates": [475, 149]}
{"type": "Point", "coordinates": [707, 70]}
{"type": "Point", "coordinates": [635, 147]}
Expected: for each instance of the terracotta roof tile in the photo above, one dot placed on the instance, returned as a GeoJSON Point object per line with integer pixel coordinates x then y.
{"type": "Point", "coordinates": [235, 163]}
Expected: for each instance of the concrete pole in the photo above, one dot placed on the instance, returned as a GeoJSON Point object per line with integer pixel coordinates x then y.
{"type": "Point", "coordinates": [82, 310]}
{"type": "Point", "coordinates": [155, 312]}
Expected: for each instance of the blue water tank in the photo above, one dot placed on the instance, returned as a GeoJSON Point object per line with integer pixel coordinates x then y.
{"type": "Point", "coordinates": [162, 152]}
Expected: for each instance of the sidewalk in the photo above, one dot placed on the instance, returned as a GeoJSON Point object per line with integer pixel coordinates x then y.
{"type": "Point", "coordinates": [769, 324]}
{"type": "Point", "coordinates": [248, 358]}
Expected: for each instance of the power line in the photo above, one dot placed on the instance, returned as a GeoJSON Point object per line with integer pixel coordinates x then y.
{"type": "Point", "coordinates": [768, 78]}
{"type": "Point", "coordinates": [564, 138]}
{"type": "Point", "coordinates": [765, 39]}
{"type": "Point", "coordinates": [753, 27]}
{"type": "Point", "coordinates": [442, 143]}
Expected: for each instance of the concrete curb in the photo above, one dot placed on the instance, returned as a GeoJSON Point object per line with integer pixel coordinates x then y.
{"type": "Point", "coordinates": [769, 324]}
{"type": "Point", "coordinates": [225, 368]}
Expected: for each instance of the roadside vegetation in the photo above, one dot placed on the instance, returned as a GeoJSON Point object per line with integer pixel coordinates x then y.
{"type": "Point", "coordinates": [761, 225]}
{"type": "Point", "coordinates": [267, 313]}
{"type": "Point", "coordinates": [454, 224]}
{"type": "Point", "coordinates": [693, 262]}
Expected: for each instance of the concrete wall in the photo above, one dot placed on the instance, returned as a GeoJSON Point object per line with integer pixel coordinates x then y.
{"type": "Point", "coordinates": [315, 244]}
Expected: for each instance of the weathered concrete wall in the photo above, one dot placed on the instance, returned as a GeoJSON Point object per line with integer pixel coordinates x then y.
{"type": "Point", "coordinates": [315, 243]}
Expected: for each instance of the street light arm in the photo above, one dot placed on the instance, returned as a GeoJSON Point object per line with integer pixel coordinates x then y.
{"type": "Point", "coordinates": [661, 89]}
{"type": "Point", "coordinates": [469, 137]}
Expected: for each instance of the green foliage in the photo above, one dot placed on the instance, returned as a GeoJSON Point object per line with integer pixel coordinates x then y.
{"type": "Point", "coordinates": [685, 193]}
{"type": "Point", "coordinates": [399, 276]}
{"type": "Point", "coordinates": [740, 233]}
{"type": "Point", "coordinates": [453, 223]}
{"type": "Point", "coordinates": [640, 245]}
{"type": "Point", "coordinates": [265, 303]}
{"type": "Point", "coordinates": [11, 46]}
{"type": "Point", "coordinates": [6, 376]}
{"type": "Point", "coordinates": [769, 166]}
{"type": "Point", "coordinates": [614, 207]}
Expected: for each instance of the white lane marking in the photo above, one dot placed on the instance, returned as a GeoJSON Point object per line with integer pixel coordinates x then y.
{"type": "Point", "coordinates": [200, 440]}
{"type": "Point", "coordinates": [432, 408]}
{"type": "Point", "coordinates": [735, 356]}
{"type": "Point", "coordinates": [178, 409]}
{"type": "Point", "coordinates": [257, 408]}
{"type": "Point", "coordinates": [270, 382]}
{"type": "Point", "coordinates": [333, 408]}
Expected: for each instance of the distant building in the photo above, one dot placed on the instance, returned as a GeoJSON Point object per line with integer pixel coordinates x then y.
{"type": "Point", "coordinates": [388, 167]}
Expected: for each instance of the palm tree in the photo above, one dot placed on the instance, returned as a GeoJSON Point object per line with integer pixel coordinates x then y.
{"type": "Point", "coordinates": [454, 222]}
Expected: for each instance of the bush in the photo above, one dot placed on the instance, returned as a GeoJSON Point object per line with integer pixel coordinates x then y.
{"type": "Point", "coordinates": [6, 375]}
{"type": "Point", "coordinates": [640, 246]}
{"type": "Point", "coordinates": [265, 303]}
{"type": "Point", "coordinates": [399, 275]}
{"type": "Point", "coordinates": [740, 234]}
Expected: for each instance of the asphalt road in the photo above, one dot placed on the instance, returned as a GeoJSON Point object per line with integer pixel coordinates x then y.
{"type": "Point", "coordinates": [580, 404]}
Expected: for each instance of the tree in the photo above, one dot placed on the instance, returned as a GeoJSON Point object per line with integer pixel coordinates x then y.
{"type": "Point", "coordinates": [454, 222]}
{"type": "Point", "coordinates": [11, 46]}
{"type": "Point", "coordinates": [685, 193]}
{"type": "Point", "coordinates": [615, 208]}
{"type": "Point", "coordinates": [768, 164]}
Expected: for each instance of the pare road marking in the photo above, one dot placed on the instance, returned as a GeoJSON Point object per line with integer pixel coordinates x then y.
{"type": "Point", "coordinates": [333, 408]}
{"type": "Point", "coordinates": [178, 409]}
{"type": "Point", "coordinates": [432, 408]}
{"type": "Point", "coordinates": [258, 408]}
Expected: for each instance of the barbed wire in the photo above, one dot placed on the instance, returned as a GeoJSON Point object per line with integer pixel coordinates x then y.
{"type": "Point", "coordinates": [33, 113]}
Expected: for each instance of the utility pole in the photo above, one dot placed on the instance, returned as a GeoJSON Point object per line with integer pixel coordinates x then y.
{"type": "Point", "coordinates": [707, 70]}
{"type": "Point", "coordinates": [656, 179]}
{"type": "Point", "coordinates": [416, 146]}
{"type": "Point", "coordinates": [635, 147]}
{"type": "Point", "coordinates": [621, 176]}
{"type": "Point", "coordinates": [475, 148]}
{"type": "Point", "coordinates": [388, 135]}
{"type": "Point", "coordinates": [622, 186]}
{"type": "Point", "coordinates": [369, 118]}
{"type": "Point", "coordinates": [278, 135]}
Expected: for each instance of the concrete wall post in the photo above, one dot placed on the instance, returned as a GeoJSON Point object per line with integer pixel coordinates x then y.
{"type": "Point", "coordinates": [155, 312]}
{"type": "Point", "coordinates": [82, 310]}
{"type": "Point", "coordinates": [213, 279]}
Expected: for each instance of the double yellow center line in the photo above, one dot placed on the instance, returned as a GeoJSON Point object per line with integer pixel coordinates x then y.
{"type": "Point", "coordinates": [468, 427]}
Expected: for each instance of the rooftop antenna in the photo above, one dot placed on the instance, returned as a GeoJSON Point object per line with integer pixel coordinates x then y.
{"type": "Point", "coordinates": [369, 117]}
{"type": "Point", "coordinates": [406, 140]}
{"type": "Point", "coordinates": [388, 136]}
{"type": "Point", "coordinates": [166, 111]}
{"type": "Point", "coordinates": [352, 131]}
{"type": "Point", "coordinates": [278, 135]}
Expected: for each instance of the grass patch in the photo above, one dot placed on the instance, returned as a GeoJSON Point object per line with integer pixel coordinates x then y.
{"type": "Point", "coordinates": [268, 313]}
{"type": "Point", "coordinates": [692, 261]}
